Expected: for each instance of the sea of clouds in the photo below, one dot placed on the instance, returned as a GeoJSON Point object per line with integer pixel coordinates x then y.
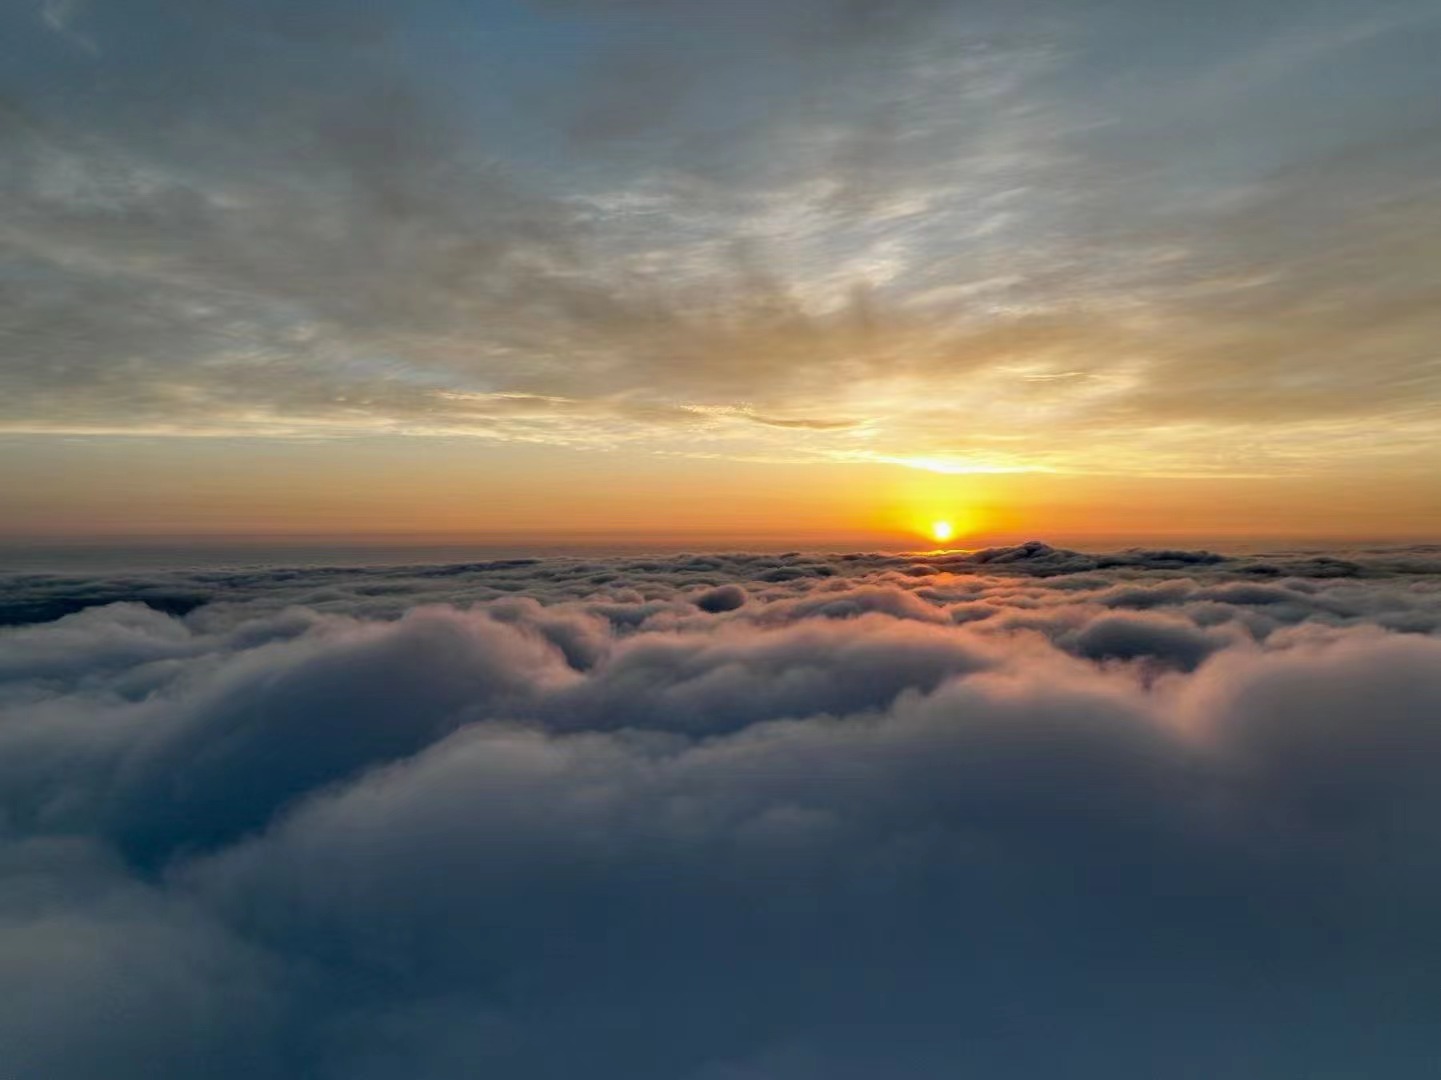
{"type": "Point", "coordinates": [1008, 814]}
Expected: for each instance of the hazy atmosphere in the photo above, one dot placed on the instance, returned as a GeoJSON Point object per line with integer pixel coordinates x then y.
{"type": "Point", "coordinates": [720, 540]}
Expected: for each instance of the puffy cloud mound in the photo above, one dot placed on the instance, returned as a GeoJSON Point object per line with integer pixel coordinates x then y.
{"type": "Point", "coordinates": [1018, 813]}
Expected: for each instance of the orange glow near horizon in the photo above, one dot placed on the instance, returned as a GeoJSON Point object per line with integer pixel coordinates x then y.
{"type": "Point", "coordinates": [944, 510]}
{"type": "Point", "coordinates": [457, 491]}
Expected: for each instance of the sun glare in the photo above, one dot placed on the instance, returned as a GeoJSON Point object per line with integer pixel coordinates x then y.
{"type": "Point", "coordinates": [941, 531]}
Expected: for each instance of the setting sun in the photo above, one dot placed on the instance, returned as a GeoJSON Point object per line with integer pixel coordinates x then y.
{"type": "Point", "coordinates": [941, 531]}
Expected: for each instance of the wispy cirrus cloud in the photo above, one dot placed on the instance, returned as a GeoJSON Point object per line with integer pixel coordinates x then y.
{"type": "Point", "coordinates": [901, 234]}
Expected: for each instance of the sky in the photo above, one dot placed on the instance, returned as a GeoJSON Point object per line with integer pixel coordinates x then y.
{"type": "Point", "coordinates": [813, 271]}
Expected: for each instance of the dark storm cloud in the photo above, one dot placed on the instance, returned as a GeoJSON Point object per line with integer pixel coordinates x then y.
{"type": "Point", "coordinates": [683, 817]}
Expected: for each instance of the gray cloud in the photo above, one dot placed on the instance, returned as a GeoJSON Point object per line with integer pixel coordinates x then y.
{"type": "Point", "coordinates": [689, 816]}
{"type": "Point", "coordinates": [847, 225]}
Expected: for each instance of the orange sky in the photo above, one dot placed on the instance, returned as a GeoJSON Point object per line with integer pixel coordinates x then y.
{"type": "Point", "coordinates": [461, 488]}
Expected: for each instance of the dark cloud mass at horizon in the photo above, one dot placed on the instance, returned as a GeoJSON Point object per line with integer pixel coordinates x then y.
{"type": "Point", "coordinates": [1023, 812]}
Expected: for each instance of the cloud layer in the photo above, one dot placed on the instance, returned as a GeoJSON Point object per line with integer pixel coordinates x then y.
{"type": "Point", "coordinates": [1022, 813]}
{"type": "Point", "coordinates": [1085, 237]}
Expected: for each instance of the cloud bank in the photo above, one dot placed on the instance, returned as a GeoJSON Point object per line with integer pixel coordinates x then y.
{"type": "Point", "coordinates": [1023, 813]}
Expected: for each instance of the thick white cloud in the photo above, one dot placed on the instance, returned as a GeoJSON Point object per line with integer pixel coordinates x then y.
{"type": "Point", "coordinates": [1026, 813]}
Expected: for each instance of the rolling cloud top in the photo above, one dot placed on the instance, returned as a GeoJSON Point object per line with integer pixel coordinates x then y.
{"type": "Point", "coordinates": [726, 816]}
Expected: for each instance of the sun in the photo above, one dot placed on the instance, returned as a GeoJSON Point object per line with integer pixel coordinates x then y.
{"type": "Point", "coordinates": [941, 531]}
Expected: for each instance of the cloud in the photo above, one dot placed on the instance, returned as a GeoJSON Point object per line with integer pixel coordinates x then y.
{"type": "Point", "coordinates": [689, 817]}
{"type": "Point", "coordinates": [1127, 637]}
{"type": "Point", "coordinates": [309, 223]}
{"type": "Point", "coordinates": [721, 598]}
